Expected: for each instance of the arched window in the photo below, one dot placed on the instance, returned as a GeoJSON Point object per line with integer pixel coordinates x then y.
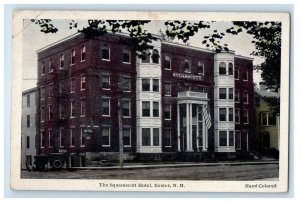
{"type": "Point", "coordinates": [146, 57]}
{"type": "Point", "coordinates": [200, 67]}
{"type": "Point", "coordinates": [155, 56]}
{"type": "Point", "coordinates": [167, 64]}
{"type": "Point", "coordinates": [230, 69]}
{"type": "Point", "coordinates": [126, 55]}
{"type": "Point", "coordinates": [73, 53]}
{"type": "Point", "coordinates": [105, 52]}
{"type": "Point", "coordinates": [222, 68]}
{"type": "Point", "coordinates": [83, 50]}
{"type": "Point", "coordinates": [187, 66]}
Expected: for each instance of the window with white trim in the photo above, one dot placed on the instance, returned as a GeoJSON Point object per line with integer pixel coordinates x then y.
{"type": "Point", "coordinates": [237, 115]}
{"type": "Point", "coordinates": [125, 83]}
{"type": "Point", "coordinates": [105, 52]}
{"type": "Point", "coordinates": [231, 138]}
{"type": "Point", "coordinates": [43, 71]}
{"type": "Point", "coordinates": [105, 135]}
{"type": "Point", "coordinates": [236, 74]}
{"type": "Point", "coordinates": [43, 93]}
{"type": "Point", "coordinates": [155, 56]}
{"type": "Point", "coordinates": [50, 138]}
{"type": "Point", "coordinates": [245, 98]}
{"type": "Point", "coordinates": [82, 137]}
{"type": "Point", "coordinates": [42, 135]}
{"type": "Point", "coordinates": [230, 93]}
{"type": "Point", "coordinates": [155, 109]}
{"type": "Point", "coordinates": [237, 96]}
{"type": "Point", "coordinates": [156, 137]}
{"type": "Point", "coordinates": [50, 90]}
{"type": "Point", "coordinates": [222, 93]}
{"type": "Point", "coordinates": [187, 66]}
{"type": "Point", "coordinates": [61, 61]}
{"type": "Point", "coordinates": [230, 69]}
{"type": "Point", "coordinates": [106, 106]}
{"type": "Point", "coordinates": [126, 108]}
{"type": "Point", "coordinates": [61, 111]}
{"type": "Point", "coordinates": [238, 140]}
{"type": "Point", "coordinates": [72, 137]}
{"type": "Point", "coordinates": [222, 68]}
{"type": "Point", "coordinates": [42, 114]}
{"type": "Point", "coordinates": [82, 82]}
{"type": "Point", "coordinates": [167, 63]}
{"type": "Point", "coordinates": [246, 116]}
{"type": "Point", "coordinates": [28, 121]}
{"type": "Point", "coordinates": [222, 114]}
{"type": "Point", "coordinates": [105, 81]}
{"type": "Point", "coordinates": [245, 76]}
{"type": "Point", "coordinates": [72, 105]}
{"type": "Point", "coordinates": [28, 100]}
{"type": "Point", "coordinates": [267, 119]}
{"type": "Point", "coordinates": [167, 112]}
{"type": "Point", "coordinates": [82, 107]}
{"type": "Point", "coordinates": [146, 108]}
{"type": "Point", "coordinates": [146, 57]}
{"type": "Point", "coordinates": [223, 138]}
{"type": "Point", "coordinates": [126, 136]}
{"type": "Point", "coordinates": [167, 89]}
{"type": "Point", "coordinates": [73, 54]}
{"type": "Point", "coordinates": [50, 112]}
{"type": "Point", "coordinates": [146, 137]}
{"type": "Point", "coordinates": [83, 52]}
{"type": "Point", "coordinates": [51, 68]}
{"type": "Point", "coordinates": [72, 85]}
{"type": "Point", "coordinates": [168, 137]}
{"type": "Point", "coordinates": [200, 68]}
{"type": "Point", "coordinates": [145, 84]}
{"type": "Point", "coordinates": [230, 114]}
{"type": "Point", "coordinates": [61, 137]}
{"type": "Point", "coordinates": [155, 85]}
{"type": "Point", "coordinates": [126, 55]}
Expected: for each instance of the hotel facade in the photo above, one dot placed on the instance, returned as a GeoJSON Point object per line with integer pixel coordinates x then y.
{"type": "Point", "coordinates": [178, 100]}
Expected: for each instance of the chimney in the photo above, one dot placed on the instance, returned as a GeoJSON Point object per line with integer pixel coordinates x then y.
{"type": "Point", "coordinates": [262, 86]}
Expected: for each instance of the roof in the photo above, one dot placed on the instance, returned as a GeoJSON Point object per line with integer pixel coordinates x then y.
{"type": "Point", "coordinates": [29, 90]}
{"type": "Point", "coordinates": [265, 93]}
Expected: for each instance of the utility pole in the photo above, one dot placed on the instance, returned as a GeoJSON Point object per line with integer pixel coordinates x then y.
{"type": "Point", "coordinates": [120, 131]}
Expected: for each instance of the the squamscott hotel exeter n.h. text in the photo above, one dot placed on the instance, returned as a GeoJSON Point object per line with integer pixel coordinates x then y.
{"type": "Point", "coordinates": [180, 102]}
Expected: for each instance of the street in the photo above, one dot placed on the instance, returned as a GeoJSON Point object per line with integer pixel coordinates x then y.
{"type": "Point", "coordinates": [220, 172]}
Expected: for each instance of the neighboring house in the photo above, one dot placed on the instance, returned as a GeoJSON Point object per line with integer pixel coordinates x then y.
{"type": "Point", "coordinates": [267, 122]}
{"type": "Point", "coordinates": [28, 128]}
{"type": "Point", "coordinates": [178, 99]}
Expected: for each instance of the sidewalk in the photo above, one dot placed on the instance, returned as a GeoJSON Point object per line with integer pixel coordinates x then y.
{"type": "Point", "coordinates": [130, 166]}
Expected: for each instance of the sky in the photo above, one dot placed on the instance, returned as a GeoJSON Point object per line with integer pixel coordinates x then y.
{"type": "Point", "coordinates": [34, 40]}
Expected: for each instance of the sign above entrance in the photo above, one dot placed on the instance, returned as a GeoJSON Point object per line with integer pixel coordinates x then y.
{"type": "Point", "coordinates": [188, 76]}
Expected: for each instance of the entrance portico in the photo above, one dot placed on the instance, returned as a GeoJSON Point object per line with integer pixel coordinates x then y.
{"type": "Point", "coordinates": [192, 128]}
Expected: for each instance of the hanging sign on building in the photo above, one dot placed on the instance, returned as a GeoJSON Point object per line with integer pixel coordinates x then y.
{"type": "Point", "coordinates": [188, 76]}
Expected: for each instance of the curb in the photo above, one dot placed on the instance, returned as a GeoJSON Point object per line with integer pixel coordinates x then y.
{"type": "Point", "coordinates": [173, 165]}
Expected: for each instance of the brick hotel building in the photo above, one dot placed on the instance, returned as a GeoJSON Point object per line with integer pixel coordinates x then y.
{"type": "Point", "coordinates": [179, 100]}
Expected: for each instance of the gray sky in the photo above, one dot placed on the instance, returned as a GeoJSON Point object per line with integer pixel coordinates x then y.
{"type": "Point", "coordinates": [33, 40]}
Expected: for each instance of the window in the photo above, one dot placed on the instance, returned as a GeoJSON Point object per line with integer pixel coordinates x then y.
{"type": "Point", "coordinates": [126, 55]}
{"type": "Point", "coordinates": [145, 136]}
{"type": "Point", "coordinates": [50, 107]}
{"type": "Point", "coordinates": [167, 89]}
{"type": "Point", "coordinates": [51, 65]}
{"type": "Point", "coordinates": [145, 84]}
{"type": "Point", "coordinates": [125, 83]}
{"type": "Point", "coordinates": [61, 111]}
{"type": "Point", "coordinates": [237, 115]}
{"type": "Point", "coordinates": [83, 50]}
{"type": "Point", "coordinates": [82, 137]}
{"type": "Point", "coordinates": [27, 142]}
{"type": "Point", "coordinates": [146, 57]}
{"type": "Point", "coordinates": [167, 110]}
{"type": "Point", "coordinates": [105, 136]}
{"type": "Point", "coordinates": [50, 90]}
{"type": "Point", "coordinates": [72, 137]}
{"type": "Point", "coordinates": [28, 100]}
{"type": "Point", "coordinates": [155, 56]}
{"type": "Point", "coordinates": [105, 52]}
{"type": "Point", "coordinates": [105, 81]}
{"type": "Point", "coordinates": [42, 93]}
{"type": "Point", "coordinates": [222, 114]}
{"type": "Point", "coordinates": [267, 119]}
{"type": "Point", "coordinates": [167, 64]}
{"type": "Point", "coordinates": [155, 86]}
{"type": "Point", "coordinates": [61, 61]}
{"type": "Point", "coordinates": [222, 68]}
{"type": "Point", "coordinates": [237, 96]}
{"type": "Point", "coordinates": [168, 138]}
{"type": "Point", "coordinates": [73, 53]}
{"type": "Point", "coordinates": [231, 138]}
{"type": "Point", "coordinates": [222, 93]}
{"type": "Point", "coordinates": [230, 114]}
{"type": "Point", "coordinates": [126, 108]}
{"type": "Point", "coordinates": [126, 136]}
{"type": "Point", "coordinates": [42, 134]}
{"type": "Point", "coordinates": [187, 66]}
{"type": "Point", "coordinates": [155, 109]}
{"type": "Point", "coordinates": [223, 138]}
{"type": "Point", "coordinates": [105, 106]}
{"type": "Point", "coordinates": [72, 103]}
{"type": "Point", "coordinates": [82, 82]}
{"type": "Point", "coordinates": [73, 85]}
{"type": "Point", "coordinates": [245, 97]}
{"type": "Point", "coordinates": [230, 95]}
{"type": "Point", "coordinates": [61, 87]}
{"type": "Point", "coordinates": [237, 139]}
{"type": "Point", "coordinates": [42, 114]}
{"type": "Point", "coordinates": [245, 76]}
{"type": "Point", "coordinates": [146, 108]}
{"type": "Point", "coordinates": [230, 69]}
{"type": "Point", "coordinates": [155, 136]}
{"type": "Point", "coordinates": [43, 68]}
{"type": "Point", "coordinates": [51, 139]}
{"type": "Point", "coordinates": [236, 74]}
{"type": "Point", "coordinates": [61, 137]}
{"type": "Point", "coordinates": [82, 107]}
{"type": "Point", "coordinates": [28, 121]}
{"type": "Point", "coordinates": [246, 116]}
{"type": "Point", "coordinates": [200, 68]}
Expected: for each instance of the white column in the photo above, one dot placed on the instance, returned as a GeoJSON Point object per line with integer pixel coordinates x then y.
{"type": "Point", "coordinates": [191, 128]}
{"type": "Point", "coordinates": [178, 126]}
{"type": "Point", "coordinates": [187, 127]}
{"type": "Point", "coordinates": [197, 127]}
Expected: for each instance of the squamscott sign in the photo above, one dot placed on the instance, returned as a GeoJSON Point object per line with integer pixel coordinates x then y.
{"type": "Point", "coordinates": [188, 76]}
